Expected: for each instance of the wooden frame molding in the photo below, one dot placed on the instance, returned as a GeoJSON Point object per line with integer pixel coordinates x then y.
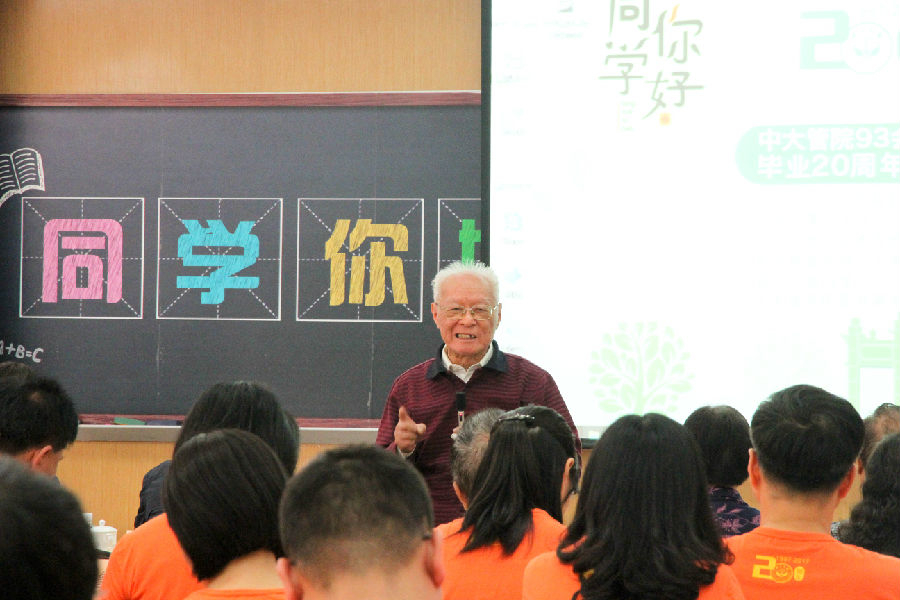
{"type": "Point", "coordinates": [454, 98]}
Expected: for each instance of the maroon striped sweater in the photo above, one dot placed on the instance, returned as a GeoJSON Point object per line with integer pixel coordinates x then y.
{"type": "Point", "coordinates": [428, 391]}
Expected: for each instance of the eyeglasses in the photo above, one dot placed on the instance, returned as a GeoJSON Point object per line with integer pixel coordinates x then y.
{"type": "Point", "coordinates": [479, 313]}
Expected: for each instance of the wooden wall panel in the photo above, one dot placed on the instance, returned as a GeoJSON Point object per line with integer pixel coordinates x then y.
{"type": "Point", "coordinates": [106, 476]}
{"type": "Point", "coordinates": [230, 46]}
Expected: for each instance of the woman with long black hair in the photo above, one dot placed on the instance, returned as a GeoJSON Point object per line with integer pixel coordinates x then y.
{"type": "Point", "coordinates": [643, 527]}
{"type": "Point", "coordinates": [529, 469]}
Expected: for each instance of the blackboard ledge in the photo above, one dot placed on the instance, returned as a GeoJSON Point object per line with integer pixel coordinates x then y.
{"type": "Point", "coordinates": [309, 434]}
{"type": "Point", "coordinates": [429, 98]}
{"type": "Point", "coordinates": [169, 433]}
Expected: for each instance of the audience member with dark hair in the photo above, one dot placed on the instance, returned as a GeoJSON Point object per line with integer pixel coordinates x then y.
{"type": "Point", "coordinates": [515, 509]}
{"type": "Point", "coordinates": [148, 564]}
{"type": "Point", "coordinates": [803, 462]}
{"type": "Point", "coordinates": [221, 497]}
{"type": "Point", "coordinates": [46, 549]}
{"type": "Point", "coordinates": [643, 527]}
{"type": "Point", "coordinates": [246, 405]}
{"type": "Point", "coordinates": [468, 449]}
{"type": "Point", "coordinates": [357, 523]}
{"type": "Point", "coordinates": [884, 421]}
{"type": "Point", "coordinates": [37, 421]}
{"type": "Point", "coordinates": [12, 368]}
{"type": "Point", "coordinates": [723, 435]}
{"type": "Point", "coordinates": [874, 523]}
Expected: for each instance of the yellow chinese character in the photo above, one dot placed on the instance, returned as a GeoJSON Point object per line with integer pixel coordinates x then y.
{"type": "Point", "coordinates": [379, 263]}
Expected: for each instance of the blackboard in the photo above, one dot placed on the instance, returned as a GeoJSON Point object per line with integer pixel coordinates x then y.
{"type": "Point", "coordinates": [199, 297]}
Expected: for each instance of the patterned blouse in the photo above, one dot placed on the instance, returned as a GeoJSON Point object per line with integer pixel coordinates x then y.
{"type": "Point", "coordinates": [733, 515]}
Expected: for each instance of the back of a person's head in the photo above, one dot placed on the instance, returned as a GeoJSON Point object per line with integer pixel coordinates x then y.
{"type": "Point", "coordinates": [643, 525]}
{"type": "Point", "coordinates": [35, 412]}
{"type": "Point", "coordinates": [806, 439]}
{"type": "Point", "coordinates": [46, 548]}
{"type": "Point", "coordinates": [875, 522]}
{"type": "Point", "coordinates": [523, 468]}
{"type": "Point", "coordinates": [469, 445]}
{"type": "Point", "coordinates": [249, 406]}
{"type": "Point", "coordinates": [221, 495]}
{"type": "Point", "coordinates": [12, 368]}
{"type": "Point", "coordinates": [723, 435]}
{"type": "Point", "coordinates": [884, 421]}
{"type": "Point", "coordinates": [354, 510]}
{"type": "Point", "coordinates": [889, 414]}
{"type": "Point", "coordinates": [883, 473]}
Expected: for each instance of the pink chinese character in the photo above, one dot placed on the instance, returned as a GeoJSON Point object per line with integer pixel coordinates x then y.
{"type": "Point", "coordinates": [112, 242]}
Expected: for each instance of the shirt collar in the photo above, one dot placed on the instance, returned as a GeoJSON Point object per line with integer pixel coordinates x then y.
{"type": "Point", "coordinates": [465, 373]}
{"type": "Point", "coordinates": [493, 359]}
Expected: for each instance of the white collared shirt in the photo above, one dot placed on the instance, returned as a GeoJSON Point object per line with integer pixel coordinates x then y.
{"type": "Point", "coordinates": [462, 372]}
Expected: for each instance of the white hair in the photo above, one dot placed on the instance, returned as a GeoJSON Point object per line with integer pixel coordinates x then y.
{"type": "Point", "coordinates": [477, 269]}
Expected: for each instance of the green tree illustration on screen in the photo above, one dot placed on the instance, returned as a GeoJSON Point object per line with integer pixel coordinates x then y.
{"type": "Point", "coordinates": [640, 368]}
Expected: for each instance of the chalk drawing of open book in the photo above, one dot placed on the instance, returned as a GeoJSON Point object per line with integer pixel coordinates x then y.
{"type": "Point", "coordinates": [20, 170]}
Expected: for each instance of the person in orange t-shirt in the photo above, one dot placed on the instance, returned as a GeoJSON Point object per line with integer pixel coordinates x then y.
{"type": "Point", "coordinates": [487, 572]}
{"type": "Point", "coordinates": [530, 467]}
{"type": "Point", "coordinates": [148, 564]}
{"type": "Point", "coordinates": [221, 495]}
{"type": "Point", "coordinates": [546, 577]}
{"type": "Point", "coordinates": [643, 526]}
{"type": "Point", "coordinates": [803, 461]}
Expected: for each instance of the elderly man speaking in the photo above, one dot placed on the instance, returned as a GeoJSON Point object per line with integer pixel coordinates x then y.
{"type": "Point", "coordinates": [421, 410]}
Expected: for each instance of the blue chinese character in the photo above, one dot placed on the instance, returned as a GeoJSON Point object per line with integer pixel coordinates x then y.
{"type": "Point", "coordinates": [217, 235]}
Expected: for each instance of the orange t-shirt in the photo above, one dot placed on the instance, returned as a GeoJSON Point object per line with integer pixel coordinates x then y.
{"type": "Point", "coordinates": [485, 573]}
{"type": "Point", "coordinates": [775, 563]}
{"type": "Point", "coordinates": [208, 594]}
{"type": "Point", "coordinates": [548, 579]}
{"type": "Point", "coordinates": [149, 564]}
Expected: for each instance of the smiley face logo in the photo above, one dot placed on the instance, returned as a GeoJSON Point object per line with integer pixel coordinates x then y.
{"type": "Point", "coordinates": [782, 573]}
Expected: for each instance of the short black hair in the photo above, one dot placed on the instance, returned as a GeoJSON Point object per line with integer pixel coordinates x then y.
{"type": "Point", "coordinates": [249, 406]}
{"type": "Point", "coordinates": [46, 548]}
{"type": "Point", "coordinates": [723, 435]}
{"type": "Point", "coordinates": [469, 446]}
{"type": "Point", "coordinates": [806, 438]}
{"type": "Point", "coordinates": [221, 495]}
{"type": "Point", "coordinates": [522, 469]}
{"type": "Point", "coordinates": [643, 524]}
{"type": "Point", "coordinates": [354, 508]}
{"type": "Point", "coordinates": [35, 412]}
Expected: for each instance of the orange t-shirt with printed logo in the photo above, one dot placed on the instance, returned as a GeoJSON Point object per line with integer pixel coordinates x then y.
{"type": "Point", "coordinates": [775, 563]}
{"type": "Point", "coordinates": [548, 579]}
